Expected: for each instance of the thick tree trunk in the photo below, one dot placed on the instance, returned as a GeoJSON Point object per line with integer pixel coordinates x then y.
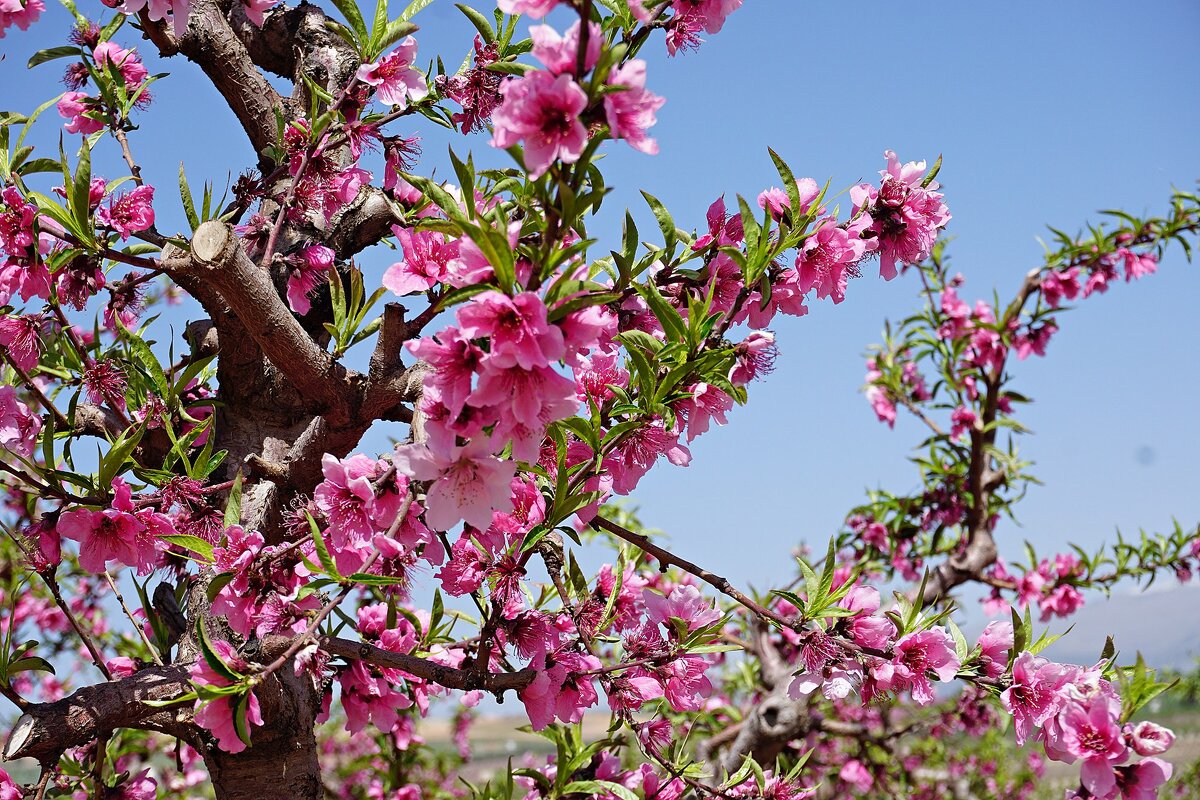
{"type": "Point", "coordinates": [282, 761]}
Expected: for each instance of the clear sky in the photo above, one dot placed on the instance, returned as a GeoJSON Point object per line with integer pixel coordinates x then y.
{"type": "Point", "coordinates": [1043, 112]}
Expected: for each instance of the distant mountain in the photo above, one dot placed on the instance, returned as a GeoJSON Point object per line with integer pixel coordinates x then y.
{"type": "Point", "coordinates": [1162, 623]}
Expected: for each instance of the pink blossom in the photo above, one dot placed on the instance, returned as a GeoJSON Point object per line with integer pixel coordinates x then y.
{"type": "Point", "coordinates": [857, 775]}
{"type": "Point", "coordinates": [216, 716]}
{"type": "Point", "coordinates": [995, 643]}
{"type": "Point", "coordinates": [544, 112]}
{"type": "Point", "coordinates": [18, 426]}
{"type": "Point", "coordinates": [395, 79]}
{"type": "Point", "coordinates": [559, 690]}
{"type": "Point", "coordinates": [684, 603]}
{"type": "Point", "coordinates": [133, 72]}
{"type": "Point", "coordinates": [129, 213]}
{"type": "Point", "coordinates": [532, 8]}
{"type": "Point", "coordinates": [453, 361]}
{"type": "Point", "coordinates": [517, 328]}
{"type": "Point", "coordinates": [9, 790]}
{"type": "Point", "coordinates": [707, 14]}
{"type": "Point", "coordinates": [560, 53]}
{"type": "Point", "coordinates": [310, 268]}
{"type": "Point", "coordinates": [78, 107]}
{"type": "Point", "coordinates": [1137, 265]}
{"type": "Point", "coordinates": [469, 482]}
{"type": "Point", "coordinates": [1033, 698]}
{"type": "Point", "coordinates": [1057, 285]}
{"type": "Point", "coordinates": [159, 10]}
{"type": "Point", "coordinates": [429, 258]}
{"type": "Point", "coordinates": [104, 536]}
{"type": "Point", "coordinates": [826, 256]}
{"type": "Point", "coordinates": [632, 110]}
{"type": "Point", "coordinates": [526, 401]}
{"type": "Point", "coordinates": [21, 13]}
{"type": "Point", "coordinates": [779, 202]}
{"type": "Point", "coordinates": [1092, 731]}
{"type": "Point", "coordinates": [962, 419]}
{"type": "Point", "coordinates": [915, 655]}
{"type": "Point", "coordinates": [1142, 780]}
{"type": "Point", "coordinates": [1149, 739]}
{"type": "Point", "coordinates": [256, 9]}
{"type": "Point", "coordinates": [905, 216]}
{"type": "Point", "coordinates": [755, 358]}
{"type": "Point", "coordinates": [639, 450]}
{"type": "Point", "coordinates": [706, 404]}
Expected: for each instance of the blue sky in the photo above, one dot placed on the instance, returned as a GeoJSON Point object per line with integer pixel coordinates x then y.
{"type": "Point", "coordinates": [1043, 114]}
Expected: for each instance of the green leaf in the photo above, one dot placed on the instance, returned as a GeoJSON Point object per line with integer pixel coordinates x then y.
{"type": "Point", "coordinates": [479, 21]}
{"type": "Point", "coordinates": [113, 462]}
{"type": "Point", "coordinates": [51, 53]}
{"type": "Point", "coordinates": [327, 562]}
{"type": "Point", "coordinates": [349, 9]}
{"type": "Point", "coordinates": [146, 356]}
{"type": "Point", "coordinates": [27, 664]}
{"type": "Point", "coordinates": [189, 542]}
{"type": "Point", "coordinates": [233, 508]}
{"type": "Point", "coordinates": [189, 203]}
{"type": "Point", "coordinates": [414, 8]}
{"type": "Point", "coordinates": [219, 582]}
{"type": "Point", "coordinates": [82, 185]}
{"type": "Point", "coordinates": [211, 657]}
{"type": "Point", "coordinates": [665, 222]}
{"type": "Point", "coordinates": [668, 316]}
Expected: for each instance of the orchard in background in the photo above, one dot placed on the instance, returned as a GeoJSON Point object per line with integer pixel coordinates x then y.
{"type": "Point", "coordinates": [232, 598]}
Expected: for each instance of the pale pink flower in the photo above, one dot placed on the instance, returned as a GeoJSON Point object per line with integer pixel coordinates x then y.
{"type": "Point", "coordinates": [469, 482]}
{"type": "Point", "coordinates": [103, 536]}
{"type": "Point", "coordinates": [395, 79]}
{"type": "Point", "coordinates": [857, 775]}
{"type": "Point", "coordinates": [995, 643]}
{"type": "Point", "coordinates": [526, 402]}
{"type": "Point", "coordinates": [1149, 739]}
{"type": "Point", "coordinates": [1092, 731]}
{"type": "Point", "coordinates": [453, 359]}
{"type": "Point", "coordinates": [532, 8]}
{"type": "Point", "coordinates": [684, 603]}
{"type": "Point", "coordinates": [632, 110]}
{"type": "Point", "coordinates": [708, 14]}
{"type": "Point", "coordinates": [19, 427]}
{"type": "Point", "coordinates": [1033, 696]}
{"type": "Point", "coordinates": [159, 10]}
{"type": "Point", "coordinates": [543, 112]}
{"type": "Point", "coordinates": [560, 53]}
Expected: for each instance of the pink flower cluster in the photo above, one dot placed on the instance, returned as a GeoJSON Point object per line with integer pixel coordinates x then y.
{"type": "Point", "coordinates": [899, 221]}
{"type": "Point", "coordinates": [1077, 714]}
{"type": "Point", "coordinates": [22, 270]}
{"type": "Point", "coordinates": [545, 109]}
{"type": "Point", "coordinates": [123, 533]}
{"type": "Point", "coordinates": [1048, 586]}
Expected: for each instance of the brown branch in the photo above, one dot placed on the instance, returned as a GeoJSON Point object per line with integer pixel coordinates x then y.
{"type": "Point", "coordinates": [218, 258]}
{"type": "Point", "coordinates": [666, 558]}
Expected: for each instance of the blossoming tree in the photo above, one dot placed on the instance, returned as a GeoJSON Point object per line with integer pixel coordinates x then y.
{"type": "Point", "coordinates": [234, 586]}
